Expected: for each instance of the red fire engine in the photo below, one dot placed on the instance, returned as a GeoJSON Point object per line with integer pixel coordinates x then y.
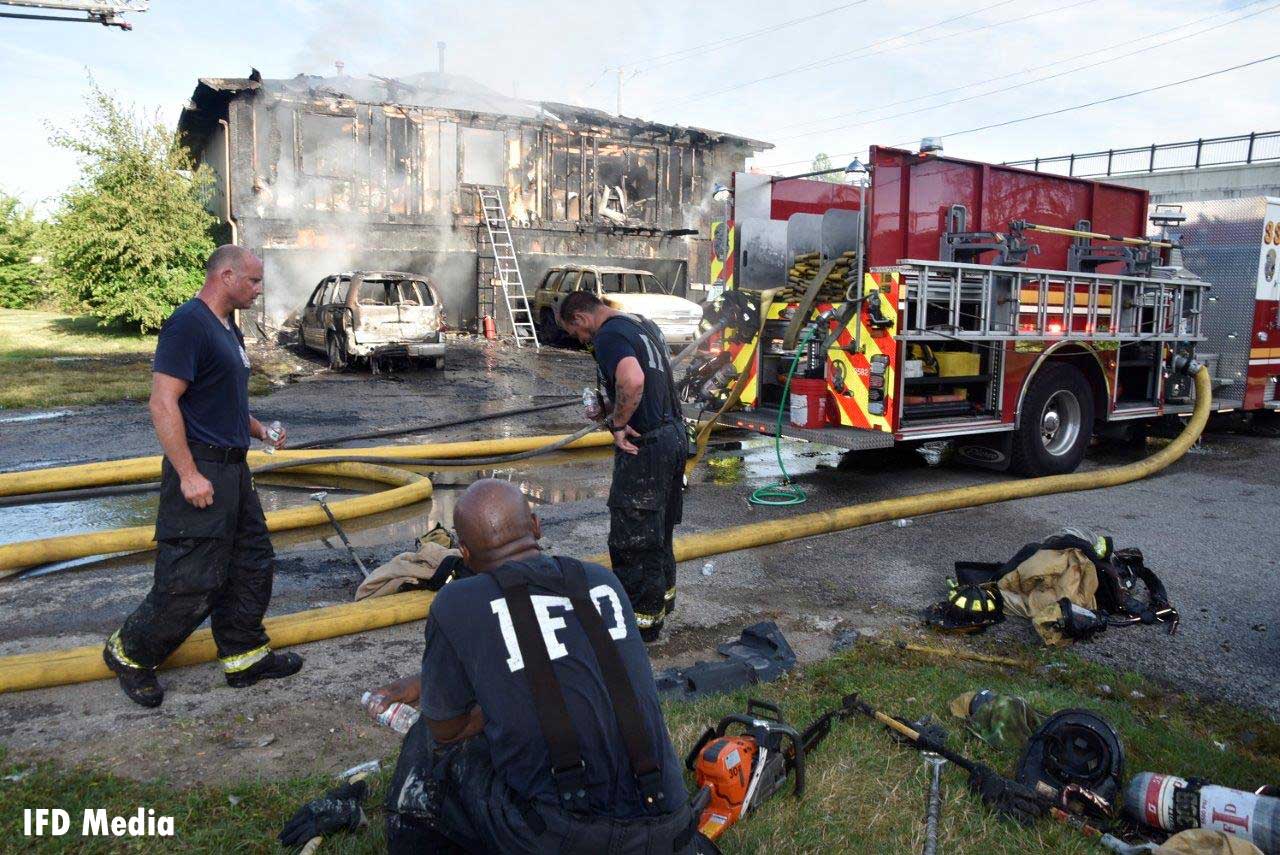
{"type": "Point", "coordinates": [1009, 311]}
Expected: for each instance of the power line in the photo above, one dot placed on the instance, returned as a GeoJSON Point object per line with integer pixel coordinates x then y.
{"type": "Point", "coordinates": [1062, 110]}
{"type": "Point", "coordinates": [676, 56]}
{"type": "Point", "coordinates": [864, 52]}
{"type": "Point", "coordinates": [679, 55]}
{"type": "Point", "coordinates": [1036, 80]}
{"type": "Point", "coordinates": [1021, 72]}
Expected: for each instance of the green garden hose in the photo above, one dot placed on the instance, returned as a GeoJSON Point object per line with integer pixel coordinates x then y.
{"type": "Point", "coordinates": [783, 493]}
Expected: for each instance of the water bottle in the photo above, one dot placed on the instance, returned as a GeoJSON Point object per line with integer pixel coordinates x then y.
{"type": "Point", "coordinates": [397, 716]}
{"type": "Point", "coordinates": [590, 403]}
{"type": "Point", "coordinates": [274, 430]}
{"type": "Point", "coordinates": [1174, 804]}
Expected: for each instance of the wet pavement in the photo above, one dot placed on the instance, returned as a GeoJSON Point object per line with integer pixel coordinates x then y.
{"type": "Point", "coordinates": [1207, 526]}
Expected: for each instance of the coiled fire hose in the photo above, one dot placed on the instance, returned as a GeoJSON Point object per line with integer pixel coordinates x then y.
{"type": "Point", "coordinates": [367, 464]}
{"type": "Point", "coordinates": [80, 664]}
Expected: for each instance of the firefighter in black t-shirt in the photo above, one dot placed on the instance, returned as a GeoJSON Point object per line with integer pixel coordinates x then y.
{"type": "Point", "coordinates": [650, 447]}
{"type": "Point", "coordinates": [213, 555]}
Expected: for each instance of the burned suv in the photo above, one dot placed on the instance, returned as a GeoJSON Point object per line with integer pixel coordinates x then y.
{"type": "Point", "coordinates": [374, 316]}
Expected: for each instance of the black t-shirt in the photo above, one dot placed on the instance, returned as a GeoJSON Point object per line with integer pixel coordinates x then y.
{"type": "Point", "coordinates": [195, 346]}
{"type": "Point", "coordinates": [620, 337]}
{"type": "Point", "coordinates": [472, 657]}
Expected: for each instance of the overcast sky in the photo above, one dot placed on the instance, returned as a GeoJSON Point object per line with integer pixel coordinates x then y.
{"type": "Point", "coordinates": [849, 74]}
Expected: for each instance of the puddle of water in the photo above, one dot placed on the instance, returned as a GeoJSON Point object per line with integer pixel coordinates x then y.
{"type": "Point", "coordinates": [35, 417]}
{"type": "Point", "coordinates": [573, 480]}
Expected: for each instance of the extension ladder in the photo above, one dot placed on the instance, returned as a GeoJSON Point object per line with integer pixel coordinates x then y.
{"type": "Point", "coordinates": [506, 268]}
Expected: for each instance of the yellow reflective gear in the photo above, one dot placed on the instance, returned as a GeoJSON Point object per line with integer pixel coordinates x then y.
{"type": "Point", "coordinates": [117, 651]}
{"type": "Point", "coordinates": [243, 661]}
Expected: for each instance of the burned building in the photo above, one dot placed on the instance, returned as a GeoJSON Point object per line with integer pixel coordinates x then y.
{"type": "Point", "coordinates": [319, 175]}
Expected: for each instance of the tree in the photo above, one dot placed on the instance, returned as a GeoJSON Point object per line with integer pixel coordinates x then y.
{"type": "Point", "coordinates": [822, 162]}
{"type": "Point", "coordinates": [128, 241]}
{"type": "Point", "coordinates": [21, 284]}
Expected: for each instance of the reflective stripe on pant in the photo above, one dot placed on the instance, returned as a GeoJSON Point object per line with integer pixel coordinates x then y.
{"type": "Point", "coordinates": [646, 502]}
{"type": "Point", "coordinates": [215, 563]}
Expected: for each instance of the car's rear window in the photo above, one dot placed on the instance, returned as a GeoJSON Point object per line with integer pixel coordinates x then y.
{"type": "Point", "coordinates": [406, 292]}
{"type": "Point", "coordinates": [414, 293]}
{"type": "Point", "coordinates": [630, 283]}
{"type": "Point", "coordinates": [372, 293]}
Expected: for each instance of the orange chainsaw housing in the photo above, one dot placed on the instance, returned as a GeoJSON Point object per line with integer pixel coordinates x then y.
{"type": "Point", "coordinates": [724, 767]}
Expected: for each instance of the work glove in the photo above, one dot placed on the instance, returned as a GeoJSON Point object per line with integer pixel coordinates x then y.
{"type": "Point", "coordinates": [1008, 798]}
{"type": "Point", "coordinates": [339, 810]}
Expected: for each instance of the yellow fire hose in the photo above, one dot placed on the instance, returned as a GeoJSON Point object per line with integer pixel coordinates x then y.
{"type": "Point", "coordinates": [81, 664]}
{"type": "Point", "coordinates": [148, 468]}
{"type": "Point", "coordinates": [408, 488]}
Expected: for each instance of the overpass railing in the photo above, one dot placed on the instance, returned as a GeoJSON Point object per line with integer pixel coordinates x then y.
{"type": "Point", "coordinates": [1256, 147]}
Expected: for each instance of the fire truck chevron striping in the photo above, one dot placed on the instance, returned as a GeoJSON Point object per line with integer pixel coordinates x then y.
{"type": "Point", "coordinates": [951, 333]}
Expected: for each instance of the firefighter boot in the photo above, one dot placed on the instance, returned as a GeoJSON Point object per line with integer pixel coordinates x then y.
{"type": "Point", "coordinates": [273, 666]}
{"type": "Point", "coordinates": [140, 684]}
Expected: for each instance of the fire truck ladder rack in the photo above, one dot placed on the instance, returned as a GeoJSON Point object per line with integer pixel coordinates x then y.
{"type": "Point", "coordinates": [506, 268]}
{"type": "Point", "coordinates": [948, 301]}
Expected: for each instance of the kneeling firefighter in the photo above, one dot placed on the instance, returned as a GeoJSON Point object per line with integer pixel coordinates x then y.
{"type": "Point", "coordinates": [540, 729]}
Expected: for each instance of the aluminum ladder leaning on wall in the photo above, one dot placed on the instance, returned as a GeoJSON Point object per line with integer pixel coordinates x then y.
{"type": "Point", "coordinates": [506, 272]}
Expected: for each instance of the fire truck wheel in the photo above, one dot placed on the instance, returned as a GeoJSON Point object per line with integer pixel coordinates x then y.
{"type": "Point", "coordinates": [1056, 422]}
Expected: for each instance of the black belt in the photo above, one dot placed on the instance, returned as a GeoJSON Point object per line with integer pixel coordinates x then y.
{"type": "Point", "coordinates": [216, 453]}
{"type": "Point", "coordinates": [650, 435]}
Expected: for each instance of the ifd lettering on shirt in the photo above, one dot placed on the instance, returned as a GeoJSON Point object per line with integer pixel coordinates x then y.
{"type": "Point", "coordinates": [550, 624]}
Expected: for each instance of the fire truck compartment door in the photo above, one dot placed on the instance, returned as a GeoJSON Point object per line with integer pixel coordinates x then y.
{"type": "Point", "coordinates": [763, 254]}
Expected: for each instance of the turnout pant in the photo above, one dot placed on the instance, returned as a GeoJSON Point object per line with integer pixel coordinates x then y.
{"type": "Point", "coordinates": [213, 562]}
{"type": "Point", "coordinates": [646, 501]}
{"type": "Point", "coordinates": [450, 799]}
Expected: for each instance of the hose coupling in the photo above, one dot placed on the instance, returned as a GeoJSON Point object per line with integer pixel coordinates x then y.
{"type": "Point", "coordinates": [1186, 364]}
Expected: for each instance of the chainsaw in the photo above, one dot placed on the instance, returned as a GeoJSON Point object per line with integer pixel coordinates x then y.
{"type": "Point", "coordinates": [739, 771]}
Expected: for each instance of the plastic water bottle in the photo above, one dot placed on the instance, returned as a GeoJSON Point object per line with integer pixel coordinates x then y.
{"type": "Point", "coordinates": [901, 523]}
{"type": "Point", "coordinates": [274, 430]}
{"type": "Point", "coordinates": [590, 403]}
{"type": "Point", "coordinates": [397, 716]}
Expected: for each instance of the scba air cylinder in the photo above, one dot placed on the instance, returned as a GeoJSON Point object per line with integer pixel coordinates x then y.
{"type": "Point", "coordinates": [1175, 804]}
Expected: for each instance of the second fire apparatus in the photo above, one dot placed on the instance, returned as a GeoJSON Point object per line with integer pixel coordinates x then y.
{"type": "Point", "coordinates": [1010, 311]}
{"type": "Point", "coordinates": [1234, 244]}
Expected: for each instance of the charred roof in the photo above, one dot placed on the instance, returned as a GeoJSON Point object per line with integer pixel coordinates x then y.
{"type": "Point", "coordinates": [450, 93]}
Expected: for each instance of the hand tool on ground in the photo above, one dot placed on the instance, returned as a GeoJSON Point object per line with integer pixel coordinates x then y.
{"type": "Point", "coordinates": [740, 771]}
{"type": "Point", "coordinates": [338, 810]}
{"type": "Point", "coordinates": [319, 498]}
{"type": "Point", "coordinates": [935, 763]}
{"type": "Point", "coordinates": [1006, 797]}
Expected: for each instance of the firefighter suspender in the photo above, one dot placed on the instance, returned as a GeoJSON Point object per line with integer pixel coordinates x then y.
{"type": "Point", "coordinates": [568, 767]}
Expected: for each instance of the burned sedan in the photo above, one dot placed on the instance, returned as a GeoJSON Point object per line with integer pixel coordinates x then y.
{"type": "Point", "coordinates": [374, 316]}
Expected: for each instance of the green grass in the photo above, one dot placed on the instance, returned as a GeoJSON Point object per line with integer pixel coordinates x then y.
{"type": "Point", "coordinates": [26, 334]}
{"type": "Point", "coordinates": [865, 793]}
{"type": "Point", "coordinates": [49, 359]}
